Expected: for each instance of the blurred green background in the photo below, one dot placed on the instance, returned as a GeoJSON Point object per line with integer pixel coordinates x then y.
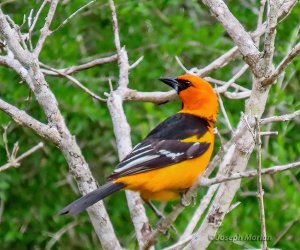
{"type": "Point", "coordinates": [32, 194]}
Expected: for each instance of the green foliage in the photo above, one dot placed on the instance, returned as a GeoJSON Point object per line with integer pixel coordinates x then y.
{"type": "Point", "coordinates": [32, 194]}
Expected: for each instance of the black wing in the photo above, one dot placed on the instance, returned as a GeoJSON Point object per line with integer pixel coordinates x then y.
{"type": "Point", "coordinates": [163, 147]}
{"type": "Point", "coordinates": [179, 127]}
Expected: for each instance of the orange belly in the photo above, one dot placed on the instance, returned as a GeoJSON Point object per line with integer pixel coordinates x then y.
{"type": "Point", "coordinates": [166, 183]}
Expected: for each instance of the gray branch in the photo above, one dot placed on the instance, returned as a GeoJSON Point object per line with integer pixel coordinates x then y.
{"type": "Point", "coordinates": [79, 168]}
{"type": "Point", "coordinates": [122, 134]}
{"type": "Point", "coordinates": [243, 141]}
{"type": "Point", "coordinates": [236, 31]}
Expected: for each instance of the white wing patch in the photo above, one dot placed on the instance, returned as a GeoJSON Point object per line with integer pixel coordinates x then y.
{"type": "Point", "coordinates": [170, 154]}
{"type": "Point", "coordinates": [136, 162]}
{"type": "Point", "coordinates": [137, 155]}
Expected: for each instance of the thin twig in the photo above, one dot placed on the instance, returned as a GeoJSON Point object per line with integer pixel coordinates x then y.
{"type": "Point", "coordinates": [84, 66]}
{"type": "Point", "coordinates": [283, 64]}
{"type": "Point", "coordinates": [32, 26]}
{"type": "Point", "coordinates": [247, 174]}
{"type": "Point", "coordinates": [223, 83]}
{"type": "Point", "coordinates": [281, 118]}
{"type": "Point", "coordinates": [260, 192]}
{"type": "Point", "coordinates": [45, 31]}
{"type": "Point", "coordinates": [55, 237]}
{"type": "Point", "coordinates": [178, 244]}
{"type": "Point", "coordinates": [285, 230]}
{"type": "Point", "coordinates": [240, 95]}
{"type": "Point", "coordinates": [164, 224]}
{"type": "Point", "coordinates": [182, 66]}
{"type": "Point", "coordinates": [268, 133]}
{"type": "Point", "coordinates": [136, 63]}
{"type": "Point", "coordinates": [115, 26]}
{"type": "Point", "coordinates": [76, 82]}
{"type": "Point", "coordinates": [199, 212]}
{"type": "Point", "coordinates": [269, 45]}
{"type": "Point", "coordinates": [233, 79]}
{"type": "Point", "coordinates": [16, 162]}
{"type": "Point", "coordinates": [72, 15]}
{"type": "Point", "coordinates": [217, 63]}
{"type": "Point", "coordinates": [224, 112]}
{"type": "Point", "coordinates": [260, 20]}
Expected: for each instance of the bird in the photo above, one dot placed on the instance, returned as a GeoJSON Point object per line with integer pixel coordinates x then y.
{"type": "Point", "coordinates": [173, 155]}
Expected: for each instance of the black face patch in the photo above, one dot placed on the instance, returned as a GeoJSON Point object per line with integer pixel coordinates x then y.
{"type": "Point", "coordinates": [183, 84]}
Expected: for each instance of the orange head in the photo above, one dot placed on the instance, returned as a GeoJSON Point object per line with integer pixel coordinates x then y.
{"type": "Point", "coordinates": [196, 94]}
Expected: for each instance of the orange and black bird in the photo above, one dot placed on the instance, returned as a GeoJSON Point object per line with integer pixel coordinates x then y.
{"type": "Point", "coordinates": [169, 160]}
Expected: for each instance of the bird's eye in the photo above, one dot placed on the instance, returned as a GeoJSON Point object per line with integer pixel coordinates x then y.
{"type": "Point", "coordinates": [183, 84]}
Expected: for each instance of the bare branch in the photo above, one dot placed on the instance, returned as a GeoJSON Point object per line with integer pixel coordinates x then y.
{"type": "Point", "coordinates": [115, 27]}
{"type": "Point", "coordinates": [163, 97]}
{"type": "Point", "coordinates": [247, 174]}
{"type": "Point", "coordinates": [234, 52]}
{"type": "Point", "coordinates": [218, 63]}
{"type": "Point", "coordinates": [282, 66]}
{"type": "Point", "coordinates": [155, 97]}
{"type": "Point", "coordinates": [12, 40]}
{"type": "Point", "coordinates": [223, 83]}
{"type": "Point", "coordinates": [72, 15]}
{"type": "Point", "coordinates": [136, 63]}
{"type": "Point", "coordinates": [45, 31]}
{"type": "Point", "coordinates": [280, 118]}
{"type": "Point", "coordinates": [16, 162]}
{"type": "Point", "coordinates": [88, 65]}
{"type": "Point", "coordinates": [199, 212]}
{"type": "Point", "coordinates": [237, 32]}
{"type": "Point", "coordinates": [260, 193]}
{"type": "Point", "coordinates": [285, 8]}
{"type": "Point", "coordinates": [21, 117]}
{"type": "Point", "coordinates": [233, 79]}
{"type": "Point", "coordinates": [181, 65]}
{"type": "Point", "coordinates": [76, 82]}
{"type": "Point", "coordinates": [67, 143]}
{"type": "Point", "coordinates": [164, 224]}
{"type": "Point", "coordinates": [240, 95]}
{"type": "Point", "coordinates": [260, 20]}
{"type": "Point", "coordinates": [180, 243]}
{"type": "Point", "coordinates": [268, 133]}
{"type": "Point", "coordinates": [270, 35]}
{"type": "Point", "coordinates": [243, 142]}
{"type": "Point", "coordinates": [32, 26]}
{"type": "Point", "coordinates": [55, 237]}
{"type": "Point", "coordinates": [224, 112]}
{"type": "Point", "coordinates": [122, 133]}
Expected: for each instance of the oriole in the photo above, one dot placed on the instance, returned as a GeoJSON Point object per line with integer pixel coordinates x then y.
{"type": "Point", "coordinates": [169, 160]}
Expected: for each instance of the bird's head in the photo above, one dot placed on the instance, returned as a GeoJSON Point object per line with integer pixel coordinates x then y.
{"type": "Point", "coordinates": [196, 94]}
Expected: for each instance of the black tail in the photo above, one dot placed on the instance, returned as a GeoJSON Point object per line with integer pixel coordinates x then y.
{"type": "Point", "coordinates": [91, 198]}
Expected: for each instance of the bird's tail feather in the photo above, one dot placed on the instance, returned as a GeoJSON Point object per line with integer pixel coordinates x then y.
{"type": "Point", "coordinates": [91, 198]}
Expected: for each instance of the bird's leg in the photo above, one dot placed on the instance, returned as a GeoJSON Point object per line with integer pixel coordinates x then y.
{"type": "Point", "coordinates": [158, 213]}
{"type": "Point", "coordinates": [161, 217]}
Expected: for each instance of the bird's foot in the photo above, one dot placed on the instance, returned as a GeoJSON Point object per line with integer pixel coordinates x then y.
{"type": "Point", "coordinates": [187, 198]}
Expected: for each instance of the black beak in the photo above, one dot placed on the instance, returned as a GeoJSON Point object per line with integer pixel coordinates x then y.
{"type": "Point", "coordinates": [172, 82]}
